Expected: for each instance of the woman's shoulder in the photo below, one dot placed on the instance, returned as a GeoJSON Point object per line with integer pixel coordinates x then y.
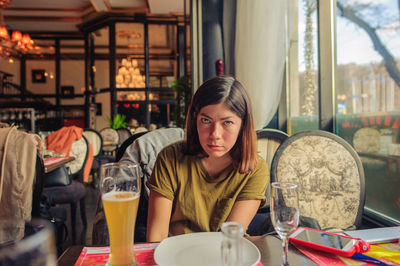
{"type": "Point", "coordinates": [261, 165]}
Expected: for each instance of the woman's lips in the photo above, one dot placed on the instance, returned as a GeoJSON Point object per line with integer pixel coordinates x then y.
{"type": "Point", "coordinates": [214, 147]}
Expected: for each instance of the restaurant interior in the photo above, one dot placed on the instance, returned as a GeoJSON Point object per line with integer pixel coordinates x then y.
{"type": "Point", "coordinates": [323, 78]}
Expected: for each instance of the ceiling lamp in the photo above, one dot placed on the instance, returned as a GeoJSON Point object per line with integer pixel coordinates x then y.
{"type": "Point", "coordinates": [128, 73]}
{"type": "Point", "coordinates": [18, 43]}
{"type": "Point", "coordinates": [4, 3]}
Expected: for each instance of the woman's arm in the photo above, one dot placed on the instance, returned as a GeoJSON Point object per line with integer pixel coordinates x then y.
{"type": "Point", "coordinates": [243, 211]}
{"type": "Point", "coordinates": [159, 216]}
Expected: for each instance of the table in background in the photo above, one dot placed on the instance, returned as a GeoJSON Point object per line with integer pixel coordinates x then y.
{"type": "Point", "coordinates": [51, 164]}
{"type": "Point", "coordinates": [270, 248]}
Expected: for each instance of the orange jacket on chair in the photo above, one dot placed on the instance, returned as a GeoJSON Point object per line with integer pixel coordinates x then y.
{"type": "Point", "coordinates": [62, 139]}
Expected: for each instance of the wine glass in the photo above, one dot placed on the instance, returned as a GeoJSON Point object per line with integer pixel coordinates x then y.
{"type": "Point", "coordinates": [284, 212]}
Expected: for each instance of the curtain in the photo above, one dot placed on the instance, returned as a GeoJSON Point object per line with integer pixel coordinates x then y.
{"type": "Point", "coordinates": [228, 34]}
{"type": "Point", "coordinates": [261, 46]}
{"type": "Point", "coordinates": [212, 36]}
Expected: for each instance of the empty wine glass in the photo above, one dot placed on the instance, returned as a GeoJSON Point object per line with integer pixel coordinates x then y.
{"type": "Point", "coordinates": [284, 212]}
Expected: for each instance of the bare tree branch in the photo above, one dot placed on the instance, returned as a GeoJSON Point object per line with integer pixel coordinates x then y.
{"type": "Point", "coordinates": [388, 58]}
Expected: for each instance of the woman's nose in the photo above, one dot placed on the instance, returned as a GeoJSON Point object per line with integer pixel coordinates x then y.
{"type": "Point", "coordinates": [216, 131]}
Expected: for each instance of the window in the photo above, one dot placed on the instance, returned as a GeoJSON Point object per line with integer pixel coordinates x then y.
{"type": "Point", "coordinates": [367, 112]}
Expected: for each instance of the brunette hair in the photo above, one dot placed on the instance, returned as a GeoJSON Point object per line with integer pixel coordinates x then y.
{"type": "Point", "coordinates": [227, 90]}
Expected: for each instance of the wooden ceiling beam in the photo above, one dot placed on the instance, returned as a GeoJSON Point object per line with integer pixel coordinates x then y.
{"type": "Point", "coordinates": [43, 18]}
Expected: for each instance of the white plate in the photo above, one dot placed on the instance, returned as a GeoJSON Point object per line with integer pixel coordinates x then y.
{"type": "Point", "coordinates": [199, 249]}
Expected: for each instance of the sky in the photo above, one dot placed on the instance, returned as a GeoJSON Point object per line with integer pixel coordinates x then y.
{"type": "Point", "coordinates": [353, 44]}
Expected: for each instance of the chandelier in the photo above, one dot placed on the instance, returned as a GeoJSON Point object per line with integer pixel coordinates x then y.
{"type": "Point", "coordinates": [128, 73]}
{"type": "Point", "coordinates": [18, 43]}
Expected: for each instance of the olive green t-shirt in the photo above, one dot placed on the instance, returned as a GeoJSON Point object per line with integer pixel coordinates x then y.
{"type": "Point", "coordinates": [201, 203]}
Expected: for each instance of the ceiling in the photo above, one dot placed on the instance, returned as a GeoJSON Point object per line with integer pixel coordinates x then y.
{"type": "Point", "coordinates": [63, 16]}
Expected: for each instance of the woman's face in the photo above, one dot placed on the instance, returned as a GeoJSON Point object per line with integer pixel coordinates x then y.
{"type": "Point", "coordinates": [218, 129]}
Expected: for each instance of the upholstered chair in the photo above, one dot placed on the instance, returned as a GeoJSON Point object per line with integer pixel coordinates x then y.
{"type": "Point", "coordinates": [268, 141]}
{"type": "Point", "coordinates": [329, 175]}
{"type": "Point", "coordinates": [123, 134]}
{"type": "Point", "coordinates": [94, 138]}
{"type": "Point", "coordinates": [75, 192]}
{"type": "Point", "coordinates": [110, 140]}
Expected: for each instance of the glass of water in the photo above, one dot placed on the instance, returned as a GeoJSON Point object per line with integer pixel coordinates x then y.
{"type": "Point", "coordinates": [27, 242]}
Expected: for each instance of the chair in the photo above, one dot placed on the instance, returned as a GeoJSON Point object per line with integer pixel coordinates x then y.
{"type": "Point", "coordinates": [94, 138]}
{"type": "Point", "coordinates": [268, 141]}
{"type": "Point", "coordinates": [110, 140]}
{"type": "Point", "coordinates": [121, 150]}
{"type": "Point", "coordinates": [142, 151]}
{"type": "Point", "coordinates": [367, 143]}
{"type": "Point", "coordinates": [18, 168]}
{"type": "Point", "coordinates": [37, 186]}
{"type": "Point", "coordinates": [123, 134]}
{"type": "Point", "coordinates": [76, 191]}
{"type": "Point", "coordinates": [329, 174]}
{"type": "Point", "coordinates": [40, 209]}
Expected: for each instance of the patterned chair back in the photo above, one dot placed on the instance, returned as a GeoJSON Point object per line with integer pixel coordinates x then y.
{"type": "Point", "coordinates": [123, 134]}
{"type": "Point", "coordinates": [110, 139]}
{"type": "Point", "coordinates": [94, 138]}
{"type": "Point", "coordinates": [329, 175]}
{"type": "Point", "coordinates": [79, 150]}
{"type": "Point", "coordinates": [268, 141]}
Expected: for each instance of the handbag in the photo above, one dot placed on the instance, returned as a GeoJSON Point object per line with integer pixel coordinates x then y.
{"type": "Point", "coordinates": [57, 177]}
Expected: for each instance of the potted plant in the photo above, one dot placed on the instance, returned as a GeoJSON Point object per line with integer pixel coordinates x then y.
{"type": "Point", "coordinates": [117, 122]}
{"type": "Point", "coordinates": [183, 89]}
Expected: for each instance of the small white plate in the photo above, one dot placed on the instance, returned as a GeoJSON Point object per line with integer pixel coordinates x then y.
{"type": "Point", "coordinates": [199, 249]}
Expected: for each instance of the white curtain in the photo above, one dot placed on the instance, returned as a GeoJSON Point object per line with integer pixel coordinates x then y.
{"type": "Point", "coordinates": [261, 46]}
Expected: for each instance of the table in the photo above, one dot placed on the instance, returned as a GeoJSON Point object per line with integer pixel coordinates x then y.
{"type": "Point", "coordinates": [69, 256]}
{"type": "Point", "coordinates": [53, 163]}
{"type": "Point", "coordinates": [271, 252]}
{"type": "Point", "coordinates": [270, 248]}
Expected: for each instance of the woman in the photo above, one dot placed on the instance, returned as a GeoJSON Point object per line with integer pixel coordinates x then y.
{"type": "Point", "coordinates": [215, 175]}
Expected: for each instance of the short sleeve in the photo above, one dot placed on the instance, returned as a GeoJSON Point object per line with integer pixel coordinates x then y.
{"type": "Point", "coordinates": [162, 178]}
{"type": "Point", "coordinates": [257, 183]}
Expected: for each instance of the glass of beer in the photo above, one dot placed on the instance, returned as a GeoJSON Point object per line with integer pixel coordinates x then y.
{"type": "Point", "coordinates": [120, 191]}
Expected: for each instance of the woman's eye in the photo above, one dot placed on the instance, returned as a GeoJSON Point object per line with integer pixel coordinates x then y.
{"type": "Point", "coordinates": [228, 123]}
{"type": "Point", "coordinates": [204, 120]}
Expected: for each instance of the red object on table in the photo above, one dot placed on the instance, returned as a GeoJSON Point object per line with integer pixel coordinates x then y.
{"type": "Point", "coordinates": [348, 247]}
{"type": "Point", "coordinates": [99, 255]}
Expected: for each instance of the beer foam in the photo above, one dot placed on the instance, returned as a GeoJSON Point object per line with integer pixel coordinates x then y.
{"type": "Point", "coordinates": [120, 196]}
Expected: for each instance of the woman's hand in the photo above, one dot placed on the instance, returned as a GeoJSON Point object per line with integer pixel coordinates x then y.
{"type": "Point", "coordinates": [159, 216]}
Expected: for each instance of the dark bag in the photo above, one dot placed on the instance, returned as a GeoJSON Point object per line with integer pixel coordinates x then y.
{"type": "Point", "coordinates": [57, 177]}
